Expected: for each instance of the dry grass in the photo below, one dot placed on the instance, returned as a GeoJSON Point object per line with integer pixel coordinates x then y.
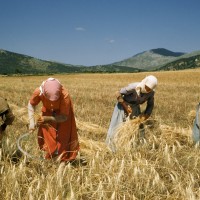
{"type": "Point", "coordinates": [163, 165]}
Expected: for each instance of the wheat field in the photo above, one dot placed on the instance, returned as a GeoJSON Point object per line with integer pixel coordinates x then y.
{"type": "Point", "coordinates": [163, 165]}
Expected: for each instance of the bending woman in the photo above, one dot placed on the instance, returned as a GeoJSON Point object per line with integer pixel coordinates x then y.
{"type": "Point", "coordinates": [57, 134]}
{"type": "Point", "coordinates": [129, 100]}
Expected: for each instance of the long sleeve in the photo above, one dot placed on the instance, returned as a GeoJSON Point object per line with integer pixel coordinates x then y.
{"type": "Point", "coordinates": [150, 105]}
{"type": "Point", "coordinates": [129, 89]}
{"type": "Point", "coordinates": [31, 111]}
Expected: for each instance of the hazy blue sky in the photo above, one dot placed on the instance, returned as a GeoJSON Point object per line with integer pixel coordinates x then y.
{"type": "Point", "coordinates": [92, 32]}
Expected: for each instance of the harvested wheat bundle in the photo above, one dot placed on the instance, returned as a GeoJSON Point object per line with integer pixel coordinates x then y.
{"type": "Point", "coordinates": [127, 133]}
{"type": "Point", "coordinates": [90, 147]}
{"type": "Point", "coordinates": [89, 127]}
{"type": "Point", "coordinates": [176, 136]}
{"type": "Point", "coordinates": [133, 132]}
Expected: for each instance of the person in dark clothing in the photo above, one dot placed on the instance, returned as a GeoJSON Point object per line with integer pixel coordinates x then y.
{"type": "Point", "coordinates": [129, 100]}
{"type": "Point", "coordinates": [6, 116]}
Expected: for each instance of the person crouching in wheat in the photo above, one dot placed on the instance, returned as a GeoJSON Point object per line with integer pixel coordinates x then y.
{"type": "Point", "coordinates": [57, 133]}
{"type": "Point", "coordinates": [129, 100]}
{"type": "Point", "coordinates": [6, 115]}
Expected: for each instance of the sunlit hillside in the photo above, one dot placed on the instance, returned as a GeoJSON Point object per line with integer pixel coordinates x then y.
{"type": "Point", "coordinates": [163, 165]}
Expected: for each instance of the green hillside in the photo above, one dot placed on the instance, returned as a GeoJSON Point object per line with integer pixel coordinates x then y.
{"type": "Point", "coordinates": [183, 63]}
{"type": "Point", "coordinates": [150, 60]}
{"type": "Point", "coordinates": [109, 69]}
{"type": "Point", "coordinates": [14, 63]}
{"type": "Point", "coordinates": [155, 59]}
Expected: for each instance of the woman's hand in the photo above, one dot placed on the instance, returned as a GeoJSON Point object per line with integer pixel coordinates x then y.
{"type": "Point", "coordinates": [44, 119]}
{"type": "Point", "coordinates": [119, 97]}
{"type": "Point", "coordinates": [143, 117]}
{"type": "Point", "coordinates": [117, 94]}
{"type": "Point", "coordinates": [40, 120]}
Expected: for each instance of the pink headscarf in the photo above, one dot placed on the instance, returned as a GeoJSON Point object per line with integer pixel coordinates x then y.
{"type": "Point", "coordinates": [51, 89]}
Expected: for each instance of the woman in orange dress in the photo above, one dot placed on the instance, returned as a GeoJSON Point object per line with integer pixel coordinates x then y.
{"type": "Point", "coordinates": [57, 133]}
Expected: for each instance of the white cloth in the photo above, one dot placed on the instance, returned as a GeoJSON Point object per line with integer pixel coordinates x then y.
{"type": "Point", "coordinates": [150, 81]}
{"type": "Point", "coordinates": [31, 111]}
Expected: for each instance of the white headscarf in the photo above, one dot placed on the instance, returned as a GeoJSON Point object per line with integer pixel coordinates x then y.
{"type": "Point", "coordinates": [150, 81]}
{"type": "Point", "coordinates": [51, 89]}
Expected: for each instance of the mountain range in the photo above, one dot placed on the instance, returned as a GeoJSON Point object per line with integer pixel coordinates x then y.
{"type": "Point", "coordinates": [151, 60]}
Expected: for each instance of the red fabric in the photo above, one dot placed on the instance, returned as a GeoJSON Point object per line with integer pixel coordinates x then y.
{"type": "Point", "coordinates": [64, 141]}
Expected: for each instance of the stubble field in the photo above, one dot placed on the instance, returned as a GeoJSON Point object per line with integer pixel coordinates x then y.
{"type": "Point", "coordinates": [164, 165]}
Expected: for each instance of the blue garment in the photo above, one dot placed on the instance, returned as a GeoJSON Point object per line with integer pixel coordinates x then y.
{"type": "Point", "coordinates": [118, 117]}
{"type": "Point", "coordinates": [196, 130]}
